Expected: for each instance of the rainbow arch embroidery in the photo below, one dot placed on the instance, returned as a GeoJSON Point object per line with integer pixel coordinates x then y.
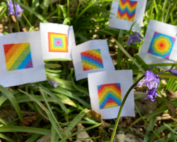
{"type": "Point", "coordinates": [109, 95]}
{"type": "Point", "coordinates": [57, 42]}
{"type": "Point", "coordinates": [91, 59]}
{"type": "Point", "coordinates": [18, 56]}
{"type": "Point", "coordinates": [126, 9]}
{"type": "Point", "coordinates": [161, 45]}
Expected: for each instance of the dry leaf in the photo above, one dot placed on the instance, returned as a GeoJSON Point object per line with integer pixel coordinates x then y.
{"type": "Point", "coordinates": [13, 18]}
{"type": "Point", "coordinates": [28, 120]}
{"type": "Point", "coordinates": [171, 109]}
{"type": "Point", "coordinates": [172, 94]}
{"type": "Point", "coordinates": [94, 115]}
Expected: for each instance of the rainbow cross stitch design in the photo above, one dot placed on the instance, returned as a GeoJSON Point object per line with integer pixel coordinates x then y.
{"type": "Point", "coordinates": [91, 59]}
{"type": "Point", "coordinates": [126, 9]}
{"type": "Point", "coordinates": [109, 95]}
{"type": "Point", "coordinates": [18, 56]}
{"type": "Point", "coordinates": [57, 42]}
{"type": "Point", "coordinates": [161, 45]}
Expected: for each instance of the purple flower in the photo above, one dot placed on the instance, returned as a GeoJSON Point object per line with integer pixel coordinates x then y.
{"type": "Point", "coordinates": [173, 71]}
{"type": "Point", "coordinates": [17, 8]}
{"type": "Point", "coordinates": [151, 80]}
{"type": "Point", "coordinates": [53, 83]}
{"type": "Point", "coordinates": [134, 38]}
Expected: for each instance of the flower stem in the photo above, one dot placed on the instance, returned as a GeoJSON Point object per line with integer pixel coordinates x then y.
{"type": "Point", "coordinates": [18, 28]}
{"type": "Point", "coordinates": [121, 107]}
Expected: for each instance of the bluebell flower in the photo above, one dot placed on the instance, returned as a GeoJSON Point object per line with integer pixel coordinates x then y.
{"type": "Point", "coordinates": [173, 71]}
{"type": "Point", "coordinates": [17, 9]}
{"type": "Point", "coordinates": [151, 80]}
{"type": "Point", "coordinates": [53, 83]}
{"type": "Point", "coordinates": [134, 38]}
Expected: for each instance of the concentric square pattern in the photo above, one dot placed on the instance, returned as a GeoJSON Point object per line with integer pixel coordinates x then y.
{"type": "Point", "coordinates": [18, 56]}
{"type": "Point", "coordinates": [127, 9]}
{"type": "Point", "coordinates": [161, 45]}
{"type": "Point", "coordinates": [91, 59]}
{"type": "Point", "coordinates": [109, 95]}
{"type": "Point", "coordinates": [58, 42]}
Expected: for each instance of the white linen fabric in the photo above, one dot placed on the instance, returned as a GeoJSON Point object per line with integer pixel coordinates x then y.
{"type": "Point", "coordinates": [29, 68]}
{"type": "Point", "coordinates": [91, 56]}
{"type": "Point", "coordinates": [135, 14]}
{"type": "Point", "coordinates": [122, 77]}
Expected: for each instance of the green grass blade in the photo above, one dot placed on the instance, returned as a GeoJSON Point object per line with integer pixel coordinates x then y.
{"type": "Point", "coordinates": [2, 100]}
{"type": "Point", "coordinates": [24, 129]}
{"type": "Point", "coordinates": [50, 110]}
{"type": "Point", "coordinates": [129, 56]}
{"type": "Point", "coordinates": [46, 111]}
{"type": "Point", "coordinates": [71, 95]}
{"type": "Point", "coordinates": [33, 12]}
{"type": "Point", "coordinates": [13, 101]}
{"type": "Point", "coordinates": [54, 97]}
{"type": "Point", "coordinates": [151, 124]}
{"type": "Point", "coordinates": [75, 121]}
{"type": "Point", "coordinates": [163, 9]}
{"type": "Point", "coordinates": [2, 136]}
{"type": "Point", "coordinates": [76, 87]}
{"type": "Point", "coordinates": [54, 136]}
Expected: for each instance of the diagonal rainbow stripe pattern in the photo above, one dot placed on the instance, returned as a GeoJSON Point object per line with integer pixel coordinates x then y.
{"type": "Point", "coordinates": [57, 42]}
{"type": "Point", "coordinates": [126, 9]}
{"type": "Point", "coordinates": [91, 59]}
{"type": "Point", "coordinates": [161, 45]}
{"type": "Point", "coordinates": [18, 56]}
{"type": "Point", "coordinates": [109, 95]}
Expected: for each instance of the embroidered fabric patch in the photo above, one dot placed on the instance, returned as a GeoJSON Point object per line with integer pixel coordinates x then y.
{"type": "Point", "coordinates": [109, 95]}
{"type": "Point", "coordinates": [18, 56]}
{"type": "Point", "coordinates": [91, 59]}
{"type": "Point", "coordinates": [126, 10]}
{"type": "Point", "coordinates": [161, 45]}
{"type": "Point", "coordinates": [57, 42]}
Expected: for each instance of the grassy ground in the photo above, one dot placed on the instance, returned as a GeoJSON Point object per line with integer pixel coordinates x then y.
{"type": "Point", "coordinates": [32, 112]}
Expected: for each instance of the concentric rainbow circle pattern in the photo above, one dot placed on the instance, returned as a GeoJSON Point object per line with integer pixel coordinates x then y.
{"type": "Point", "coordinates": [109, 95]}
{"type": "Point", "coordinates": [18, 56]}
{"type": "Point", "coordinates": [57, 42]}
{"type": "Point", "coordinates": [91, 59]}
{"type": "Point", "coordinates": [161, 45]}
{"type": "Point", "coordinates": [127, 9]}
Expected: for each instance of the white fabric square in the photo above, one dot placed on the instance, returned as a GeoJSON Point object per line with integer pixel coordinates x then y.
{"type": "Point", "coordinates": [160, 43]}
{"type": "Point", "coordinates": [21, 59]}
{"type": "Point", "coordinates": [125, 12]}
{"type": "Point", "coordinates": [57, 40]}
{"type": "Point", "coordinates": [107, 90]}
{"type": "Point", "coordinates": [91, 56]}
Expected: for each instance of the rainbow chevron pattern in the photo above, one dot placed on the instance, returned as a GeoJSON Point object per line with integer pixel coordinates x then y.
{"type": "Point", "coordinates": [18, 56]}
{"type": "Point", "coordinates": [126, 9]}
{"type": "Point", "coordinates": [109, 95]}
{"type": "Point", "coordinates": [161, 45]}
{"type": "Point", "coordinates": [57, 42]}
{"type": "Point", "coordinates": [91, 59]}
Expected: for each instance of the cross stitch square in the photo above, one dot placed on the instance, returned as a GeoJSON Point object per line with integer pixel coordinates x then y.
{"type": "Point", "coordinates": [126, 10]}
{"type": "Point", "coordinates": [18, 56]}
{"type": "Point", "coordinates": [161, 45]}
{"type": "Point", "coordinates": [109, 95]}
{"type": "Point", "coordinates": [91, 59]}
{"type": "Point", "coordinates": [57, 42]}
